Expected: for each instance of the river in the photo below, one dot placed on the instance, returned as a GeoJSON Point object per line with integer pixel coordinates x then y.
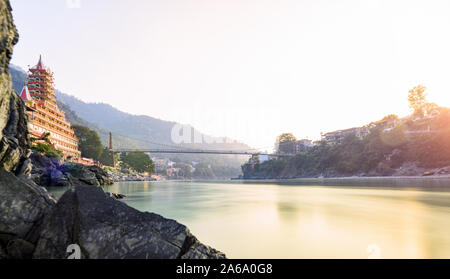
{"type": "Point", "coordinates": [355, 218]}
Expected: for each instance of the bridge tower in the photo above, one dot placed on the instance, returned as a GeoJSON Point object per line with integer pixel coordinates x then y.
{"type": "Point", "coordinates": [111, 149]}
{"type": "Point", "coordinates": [110, 141]}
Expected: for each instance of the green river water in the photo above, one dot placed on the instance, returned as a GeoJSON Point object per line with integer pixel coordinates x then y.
{"type": "Point", "coordinates": [354, 218]}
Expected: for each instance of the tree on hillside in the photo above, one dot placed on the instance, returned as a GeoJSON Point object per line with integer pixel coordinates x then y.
{"type": "Point", "coordinates": [139, 161]}
{"type": "Point", "coordinates": [186, 170]}
{"type": "Point", "coordinates": [89, 142]}
{"type": "Point", "coordinates": [107, 157]}
{"type": "Point", "coordinates": [285, 143]}
{"type": "Point", "coordinates": [417, 100]}
{"type": "Point", "coordinates": [390, 117]}
{"type": "Point", "coordinates": [285, 137]}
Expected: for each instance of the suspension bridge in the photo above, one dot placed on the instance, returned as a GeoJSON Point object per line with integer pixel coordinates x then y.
{"type": "Point", "coordinates": [186, 150]}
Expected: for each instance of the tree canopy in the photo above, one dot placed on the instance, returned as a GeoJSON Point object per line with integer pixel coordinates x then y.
{"type": "Point", "coordinates": [89, 142]}
{"type": "Point", "coordinates": [107, 157]}
{"type": "Point", "coordinates": [417, 99]}
{"type": "Point", "coordinates": [139, 161]}
{"type": "Point", "coordinates": [47, 149]}
{"type": "Point", "coordinates": [285, 137]}
{"type": "Point", "coordinates": [285, 143]}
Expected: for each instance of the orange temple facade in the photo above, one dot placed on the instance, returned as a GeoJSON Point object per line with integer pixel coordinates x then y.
{"type": "Point", "coordinates": [44, 116]}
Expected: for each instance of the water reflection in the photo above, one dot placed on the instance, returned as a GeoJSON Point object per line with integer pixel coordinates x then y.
{"type": "Point", "coordinates": [333, 219]}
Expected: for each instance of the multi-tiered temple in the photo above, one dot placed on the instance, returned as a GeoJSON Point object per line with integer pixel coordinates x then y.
{"type": "Point", "coordinates": [44, 114]}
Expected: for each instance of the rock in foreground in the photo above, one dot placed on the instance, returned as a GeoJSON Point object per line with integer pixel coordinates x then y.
{"type": "Point", "coordinates": [48, 172]}
{"type": "Point", "coordinates": [106, 228]}
{"type": "Point", "coordinates": [14, 140]}
{"type": "Point", "coordinates": [23, 206]}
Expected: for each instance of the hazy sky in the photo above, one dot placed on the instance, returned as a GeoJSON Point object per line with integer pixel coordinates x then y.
{"type": "Point", "coordinates": [245, 69]}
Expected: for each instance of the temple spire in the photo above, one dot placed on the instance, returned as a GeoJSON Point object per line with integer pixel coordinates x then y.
{"type": "Point", "coordinates": [40, 64]}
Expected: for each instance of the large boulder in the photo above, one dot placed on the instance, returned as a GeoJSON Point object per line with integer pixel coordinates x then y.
{"type": "Point", "coordinates": [58, 178]}
{"type": "Point", "coordinates": [14, 139]}
{"type": "Point", "coordinates": [42, 167]}
{"type": "Point", "coordinates": [80, 174]}
{"type": "Point", "coordinates": [109, 229]}
{"type": "Point", "coordinates": [90, 175]}
{"type": "Point", "coordinates": [48, 172]}
{"type": "Point", "coordinates": [101, 175]}
{"type": "Point", "coordinates": [23, 205]}
{"type": "Point", "coordinates": [41, 162]}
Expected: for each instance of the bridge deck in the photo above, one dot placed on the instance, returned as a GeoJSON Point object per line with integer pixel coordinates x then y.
{"type": "Point", "coordinates": [194, 151]}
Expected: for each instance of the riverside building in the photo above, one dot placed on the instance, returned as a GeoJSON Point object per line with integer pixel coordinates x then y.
{"type": "Point", "coordinates": [44, 116]}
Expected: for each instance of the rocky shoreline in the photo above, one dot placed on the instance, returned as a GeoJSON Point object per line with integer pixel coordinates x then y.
{"type": "Point", "coordinates": [121, 177]}
{"type": "Point", "coordinates": [407, 170]}
{"type": "Point", "coordinates": [48, 172]}
{"type": "Point", "coordinates": [34, 225]}
{"type": "Point", "coordinates": [349, 178]}
{"type": "Point", "coordinates": [315, 178]}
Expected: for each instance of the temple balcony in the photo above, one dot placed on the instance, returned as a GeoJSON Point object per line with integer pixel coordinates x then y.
{"type": "Point", "coordinates": [46, 84]}
{"type": "Point", "coordinates": [52, 127]}
{"type": "Point", "coordinates": [39, 89]}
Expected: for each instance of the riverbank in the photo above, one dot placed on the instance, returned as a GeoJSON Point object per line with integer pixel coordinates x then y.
{"type": "Point", "coordinates": [51, 172]}
{"type": "Point", "coordinates": [415, 177]}
{"type": "Point", "coordinates": [418, 182]}
{"type": "Point", "coordinates": [120, 177]}
{"type": "Point", "coordinates": [407, 170]}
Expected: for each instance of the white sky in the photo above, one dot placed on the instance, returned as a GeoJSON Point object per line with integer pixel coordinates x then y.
{"type": "Point", "coordinates": [249, 70]}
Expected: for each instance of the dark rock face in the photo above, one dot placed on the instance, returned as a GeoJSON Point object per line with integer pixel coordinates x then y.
{"type": "Point", "coordinates": [23, 205]}
{"type": "Point", "coordinates": [106, 228]}
{"type": "Point", "coordinates": [91, 175]}
{"type": "Point", "coordinates": [14, 140]}
{"type": "Point", "coordinates": [101, 175]}
{"type": "Point", "coordinates": [48, 172]}
{"type": "Point", "coordinates": [42, 169]}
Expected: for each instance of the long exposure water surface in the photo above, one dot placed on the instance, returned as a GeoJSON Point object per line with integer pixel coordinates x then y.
{"type": "Point", "coordinates": [387, 218]}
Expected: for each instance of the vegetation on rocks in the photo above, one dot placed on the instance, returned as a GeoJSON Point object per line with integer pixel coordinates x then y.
{"type": "Point", "coordinates": [47, 150]}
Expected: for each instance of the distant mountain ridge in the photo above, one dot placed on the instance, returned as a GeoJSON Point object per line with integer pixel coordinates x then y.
{"type": "Point", "coordinates": [133, 131]}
